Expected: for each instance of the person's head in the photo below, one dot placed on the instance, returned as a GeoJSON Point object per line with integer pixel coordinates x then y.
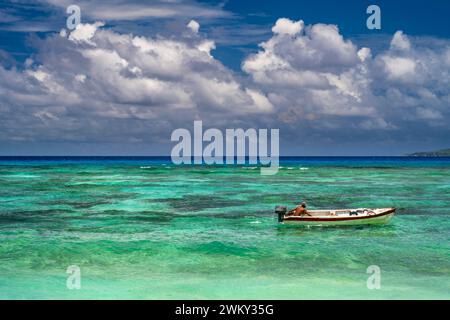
{"type": "Point", "coordinates": [303, 204]}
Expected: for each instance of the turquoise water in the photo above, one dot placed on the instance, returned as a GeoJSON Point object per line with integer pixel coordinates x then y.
{"type": "Point", "coordinates": [147, 229]}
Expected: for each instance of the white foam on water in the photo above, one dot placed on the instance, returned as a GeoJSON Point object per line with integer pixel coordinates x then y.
{"type": "Point", "coordinates": [21, 176]}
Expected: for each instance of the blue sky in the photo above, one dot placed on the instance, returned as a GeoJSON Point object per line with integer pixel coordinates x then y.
{"type": "Point", "coordinates": [418, 18]}
{"type": "Point", "coordinates": [318, 83]}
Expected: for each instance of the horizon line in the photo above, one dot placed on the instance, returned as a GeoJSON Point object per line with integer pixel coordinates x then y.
{"type": "Point", "coordinates": [166, 156]}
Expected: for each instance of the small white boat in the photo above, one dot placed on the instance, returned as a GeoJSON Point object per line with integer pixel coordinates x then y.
{"type": "Point", "coordinates": [342, 217]}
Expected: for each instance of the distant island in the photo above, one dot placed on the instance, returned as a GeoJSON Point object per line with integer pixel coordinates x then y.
{"type": "Point", "coordinates": [439, 153]}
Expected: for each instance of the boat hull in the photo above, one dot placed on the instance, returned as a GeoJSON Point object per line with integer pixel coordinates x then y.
{"type": "Point", "coordinates": [382, 217]}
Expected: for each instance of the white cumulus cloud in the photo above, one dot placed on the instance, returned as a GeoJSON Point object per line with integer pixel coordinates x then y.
{"type": "Point", "coordinates": [309, 80]}
{"type": "Point", "coordinates": [287, 26]}
{"type": "Point", "coordinates": [194, 26]}
{"type": "Point", "coordinates": [84, 32]}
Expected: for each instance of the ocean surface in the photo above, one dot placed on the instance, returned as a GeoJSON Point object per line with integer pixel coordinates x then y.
{"type": "Point", "coordinates": [143, 228]}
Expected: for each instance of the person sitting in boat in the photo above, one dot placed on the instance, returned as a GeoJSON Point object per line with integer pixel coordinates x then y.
{"type": "Point", "coordinates": [299, 211]}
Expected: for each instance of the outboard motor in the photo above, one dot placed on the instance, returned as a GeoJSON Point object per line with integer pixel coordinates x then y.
{"type": "Point", "coordinates": [280, 211]}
